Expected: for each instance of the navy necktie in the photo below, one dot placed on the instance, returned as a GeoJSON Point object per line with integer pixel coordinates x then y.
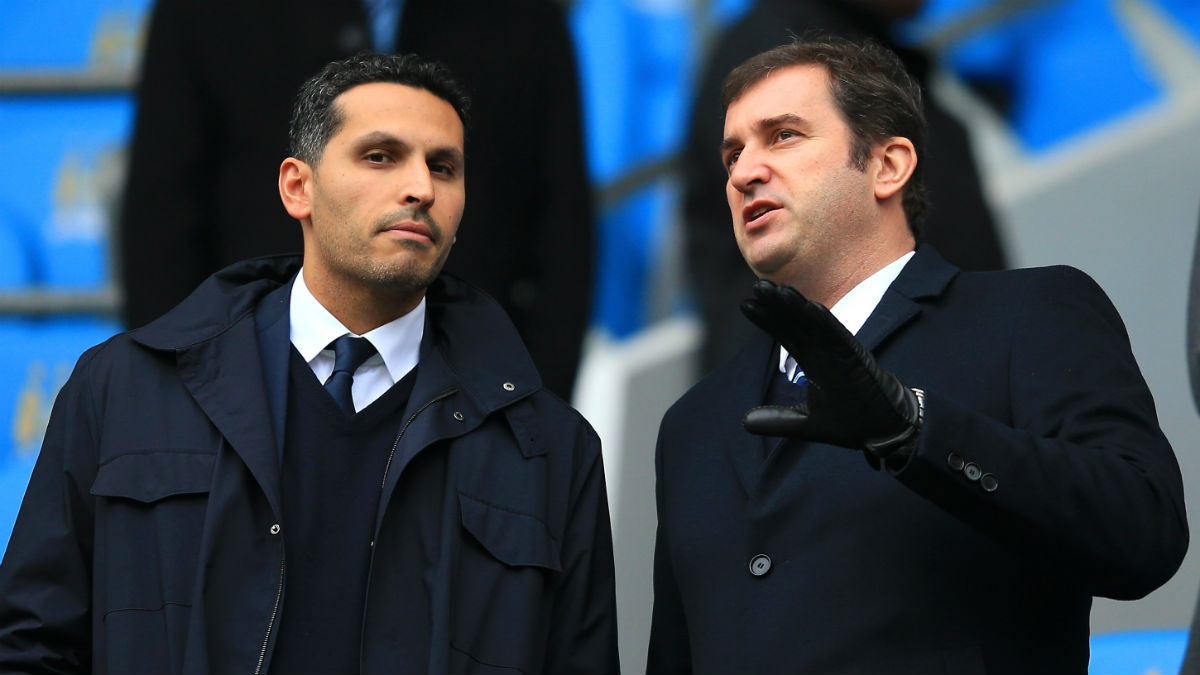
{"type": "Point", "coordinates": [349, 352]}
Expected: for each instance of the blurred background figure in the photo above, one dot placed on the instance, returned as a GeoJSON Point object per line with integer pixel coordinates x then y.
{"type": "Point", "coordinates": [211, 130]}
{"type": "Point", "coordinates": [959, 222]}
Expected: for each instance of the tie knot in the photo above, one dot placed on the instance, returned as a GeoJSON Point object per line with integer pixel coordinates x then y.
{"type": "Point", "coordinates": [349, 352]}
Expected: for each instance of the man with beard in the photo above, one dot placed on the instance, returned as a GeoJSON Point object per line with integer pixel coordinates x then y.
{"type": "Point", "coordinates": [340, 463]}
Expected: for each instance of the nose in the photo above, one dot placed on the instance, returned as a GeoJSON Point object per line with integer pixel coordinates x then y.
{"type": "Point", "coordinates": [417, 188]}
{"type": "Point", "coordinates": [748, 170]}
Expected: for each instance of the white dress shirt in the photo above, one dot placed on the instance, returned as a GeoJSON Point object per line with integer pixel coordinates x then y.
{"type": "Point", "coordinates": [397, 344]}
{"type": "Point", "coordinates": [854, 307]}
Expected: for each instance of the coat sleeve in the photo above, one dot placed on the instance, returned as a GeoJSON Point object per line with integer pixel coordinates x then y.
{"type": "Point", "coordinates": [45, 579]}
{"type": "Point", "coordinates": [668, 651]}
{"type": "Point", "coordinates": [1081, 475]}
{"type": "Point", "coordinates": [166, 216]}
{"type": "Point", "coordinates": [583, 634]}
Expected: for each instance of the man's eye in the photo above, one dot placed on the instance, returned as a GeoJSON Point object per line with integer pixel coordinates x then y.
{"type": "Point", "coordinates": [377, 157]}
{"type": "Point", "coordinates": [443, 169]}
{"type": "Point", "coordinates": [784, 135]}
{"type": "Point", "coordinates": [731, 159]}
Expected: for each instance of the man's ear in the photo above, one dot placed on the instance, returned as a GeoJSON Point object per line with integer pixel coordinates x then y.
{"type": "Point", "coordinates": [295, 187]}
{"type": "Point", "coordinates": [897, 161]}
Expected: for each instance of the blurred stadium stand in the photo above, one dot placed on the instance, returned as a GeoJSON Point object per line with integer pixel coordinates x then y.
{"type": "Point", "coordinates": [1138, 652]}
{"type": "Point", "coordinates": [65, 113]}
{"type": "Point", "coordinates": [1086, 114]}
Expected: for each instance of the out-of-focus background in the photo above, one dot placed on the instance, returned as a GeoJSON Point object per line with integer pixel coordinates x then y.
{"type": "Point", "coordinates": [1083, 118]}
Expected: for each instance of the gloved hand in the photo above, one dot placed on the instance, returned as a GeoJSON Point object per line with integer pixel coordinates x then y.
{"type": "Point", "coordinates": [851, 401]}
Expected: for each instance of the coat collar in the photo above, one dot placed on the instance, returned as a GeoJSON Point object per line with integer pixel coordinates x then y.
{"type": "Point", "coordinates": [231, 341]}
{"type": "Point", "coordinates": [218, 303]}
{"type": "Point", "coordinates": [926, 275]}
{"type": "Point", "coordinates": [474, 336]}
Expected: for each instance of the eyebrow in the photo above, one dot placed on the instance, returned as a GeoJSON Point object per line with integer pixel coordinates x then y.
{"type": "Point", "coordinates": [386, 140]}
{"type": "Point", "coordinates": [381, 138]}
{"type": "Point", "coordinates": [448, 154]}
{"type": "Point", "coordinates": [786, 119]}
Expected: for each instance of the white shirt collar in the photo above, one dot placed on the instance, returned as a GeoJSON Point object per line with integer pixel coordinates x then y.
{"type": "Point", "coordinates": [855, 307]}
{"type": "Point", "coordinates": [313, 328]}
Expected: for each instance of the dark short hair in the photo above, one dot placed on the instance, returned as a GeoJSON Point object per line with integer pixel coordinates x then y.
{"type": "Point", "coordinates": [315, 118]}
{"type": "Point", "coordinates": [876, 96]}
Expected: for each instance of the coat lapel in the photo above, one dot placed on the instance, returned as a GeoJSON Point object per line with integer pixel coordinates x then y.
{"type": "Point", "coordinates": [927, 274]}
{"type": "Point", "coordinates": [272, 322]}
{"type": "Point", "coordinates": [742, 383]}
{"type": "Point", "coordinates": [225, 377]}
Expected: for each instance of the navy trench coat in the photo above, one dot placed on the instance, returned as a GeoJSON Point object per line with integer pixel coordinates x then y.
{"type": "Point", "coordinates": [150, 538]}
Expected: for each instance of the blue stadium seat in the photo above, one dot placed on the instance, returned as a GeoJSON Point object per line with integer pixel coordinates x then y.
{"type": "Point", "coordinates": [1068, 64]}
{"type": "Point", "coordinates": [636, 60]}
{"type": "Point", "coordinates": [1186, 12]}
{"type": "Point", "coordinates": [97, 35]}
{"type": "Point", "coordinates": [61, 178]}
{"type": "Point", "coordinates": [628, 241]}
{"type": "Point", "coordinates": [1077, 71]}
{"type": "Point", "coordinates": [1138, 652]}
{"type": "Point", "coordinates": [16, 267]}
{"type": "Point", "coordinates": [36, 361]}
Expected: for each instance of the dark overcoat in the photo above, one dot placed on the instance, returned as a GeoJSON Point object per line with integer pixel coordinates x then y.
{"type": "Point", "coordinates": [1041, 479]}
{"type": "Point", "coordinates": [150, 538]}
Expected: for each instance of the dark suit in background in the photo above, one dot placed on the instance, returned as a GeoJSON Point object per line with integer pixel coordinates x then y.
{"type": "Point", "coordinates": [1041, 479]}
{"type": "Point", "coordinates": [959, 221]}
{"type": "Point", "coordinates": [217, 84]}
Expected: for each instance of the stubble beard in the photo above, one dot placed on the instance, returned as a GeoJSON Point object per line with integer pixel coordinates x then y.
{"type": "Point", "coordinates": [402, 275]}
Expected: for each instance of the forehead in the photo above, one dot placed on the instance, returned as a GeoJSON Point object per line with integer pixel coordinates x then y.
{"type": "Point", "coordinates": [399, 109]}
{"type": "Point", "coordinates": [801, 90]}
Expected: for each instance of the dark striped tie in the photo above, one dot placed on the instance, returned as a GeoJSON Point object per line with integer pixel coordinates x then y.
{"type": "Point", "coordinates": [349, 352]}
{"type": "Point", "coordinates": [799, 379]}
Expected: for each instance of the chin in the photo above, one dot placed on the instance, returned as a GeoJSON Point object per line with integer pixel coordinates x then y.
{"type": "Point", "coordinates": [402, 276]}
{"type": "Point", "coordinates": [767, 266]}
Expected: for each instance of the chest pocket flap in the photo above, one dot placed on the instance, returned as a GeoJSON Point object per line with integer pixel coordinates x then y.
{"type": "Point", "coordinates": [515, 539]}
{"type": "Point", "coordinates": [150, 476]}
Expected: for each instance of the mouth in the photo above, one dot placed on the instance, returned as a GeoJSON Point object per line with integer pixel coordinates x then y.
{"type": "Point", "coordinates": [410, 230]}
{"type": "Point", "coordinates": [756, 209]}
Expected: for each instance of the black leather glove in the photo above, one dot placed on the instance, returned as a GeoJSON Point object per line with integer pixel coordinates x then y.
{"type": "Point", "coordinates": [851, 401]}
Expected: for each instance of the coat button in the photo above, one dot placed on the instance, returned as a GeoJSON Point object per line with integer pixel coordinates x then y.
{"type": "Point", "coordinates": [988, 482]}
{"type": "Point", "coordinates": [972, 471]}
{"type": "Point", "coordinates": [275, 528]}
{"type": "Point", "coordinates": [760, 565]}
{"type": "Point", "coordinates": [509, 386]}
{"type": "Point", "coordinates": [458, 416]}
{"type": "Point", "coordinates": [954, 461]}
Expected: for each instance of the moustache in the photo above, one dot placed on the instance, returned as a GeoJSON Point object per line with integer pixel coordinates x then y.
{"type": "Point", "coordinates": [414, 214]}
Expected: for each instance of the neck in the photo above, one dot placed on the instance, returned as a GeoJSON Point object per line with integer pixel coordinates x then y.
{"type": "Point", "coordinates": [360, 308]}
{"type": "Point", "coordinates": [830, 282]}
